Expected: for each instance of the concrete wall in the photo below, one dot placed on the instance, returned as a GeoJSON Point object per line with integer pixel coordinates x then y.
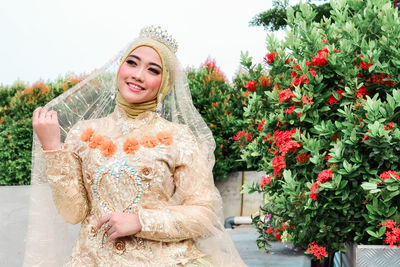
{"type": "Point", "coordinates": [236, 204]}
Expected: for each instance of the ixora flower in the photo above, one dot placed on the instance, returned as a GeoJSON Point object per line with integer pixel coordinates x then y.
{"type": "Point", "coordinates": [389, 175]}
{"type": "Point", "coordinates": [270, 57]}
{"type": "Point", "coordinates": [318, 251]}
{"type": "Point", "coordinates": [266, 180]}
{"type": "Point", "coordinates": [241, 134]}
{"type": "Point", "coordinates": [392, 234]}
{"type": "Point", "coordinates": [332, 99]}
{"type": "Point", "coordinates": [320, 59]}
{"type": "Point", "coordinates": [251, 85]}
{"type": "Point", "coordinates": [261, 125]}
{"type": "Point", "coordinates": [278, 163]}
{"type": "Point", "coordinates": [285, 95]}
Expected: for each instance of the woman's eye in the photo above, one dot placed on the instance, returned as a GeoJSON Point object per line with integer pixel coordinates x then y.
{"type": "Point", "coordinates": [155, 71]}
{"type": "Point", "coordinates": [131, 62]}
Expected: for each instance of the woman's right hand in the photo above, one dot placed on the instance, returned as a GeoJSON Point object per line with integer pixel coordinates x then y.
{"type": "Point", "coordinates": [46, 126]}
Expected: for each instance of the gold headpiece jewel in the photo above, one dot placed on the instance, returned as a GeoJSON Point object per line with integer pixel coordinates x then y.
{"type": "Point", "coordinates": [160, 35]}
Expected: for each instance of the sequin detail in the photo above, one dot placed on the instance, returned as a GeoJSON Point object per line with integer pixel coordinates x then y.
{"type": "Point", "coordinates": [115, 168]}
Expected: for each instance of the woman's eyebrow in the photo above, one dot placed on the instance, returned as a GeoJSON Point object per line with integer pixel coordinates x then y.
{"type": "Point", "coordinates": [151, 63]}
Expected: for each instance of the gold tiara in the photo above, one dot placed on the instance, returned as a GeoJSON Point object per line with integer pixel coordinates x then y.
{"type": "Point", "coordinates": [160, 35]}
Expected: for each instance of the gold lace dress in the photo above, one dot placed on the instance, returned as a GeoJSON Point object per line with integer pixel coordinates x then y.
{"type": "Point", "coordinates": [148, 166]}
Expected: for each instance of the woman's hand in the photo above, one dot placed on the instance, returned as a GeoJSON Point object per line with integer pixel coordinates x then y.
{"type": "Point", "coordinates": [120, 224]}
{"type": "Point", "coordinates": [46, 126]}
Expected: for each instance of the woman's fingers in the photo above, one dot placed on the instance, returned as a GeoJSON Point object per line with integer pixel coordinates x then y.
{"type": "Point", "coordinates": [42, 114]}
{"type": "Point", "coordinates": [36, 113]}
{"type": "Point", "coordinates": [112, 237]}
{"type": "Point", "coordinates": [103, 220]}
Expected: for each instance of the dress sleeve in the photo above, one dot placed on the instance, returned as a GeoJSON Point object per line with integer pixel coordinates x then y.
{"type": "Point", "coordinates": [64, 174]}
{"type": "Point", "coordinates": [190, 213]}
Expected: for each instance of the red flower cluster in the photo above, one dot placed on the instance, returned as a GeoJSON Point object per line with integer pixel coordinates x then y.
{"type": "Point", "coordinates": [284, 143]}
{"type": "Point", "coordinates": [261, 125]}
{"type": "Point", "coordinates": [296, 80]}
{"type": "Point", "coordinates": [392, 233]}
{"type": "Point", "coordinates": [325, 176]}
{"type": "Point", "coordinates": [303, 158]}
{"type": "Point", "coordinates": [313, 190]}
{"type": "Point", "coordinates": [285, 95]}
{"type": "Point", "coordinates": [316, 250]}
{"type": "Point", "coordinates": [379, 78]}
{"type": "Point", "coordinates": [365, 137]}
{"type": "Point", "coordinates": [327, 156]}
{"type": "Point", "coordinates": [216, 73]}
{"type": "Point", "coordinates": [278, 231]}
{"type": "Point", "coordinates": [266, 180]}
{"type": "Point", "coordinates": [363, 64]}
{"type": "Point", "coordinates": [313, 72]}
{"type": "Point", "coordinates": [241, 134]}
{"type": "Point", "coordinates": [362, 92]}
{"type": "Point", "coordinates": [307, 100]}
{"type": "Point", "coordinates": [389, 127]}
{"type": "Point", "coordinates": [320, 59]}
{"type": "Point", "coordinates": [289, 110]}
{"type": "Point", "coordinates": [270, 57]}
{"type": "Point", "coordinates": [251, 86]}
{"type": "Point", "coordinates": [389, 174]}
{"type": "Point", "coordinates": [299, 81]}
{"type": "Point", "coordinates": [333, 99]}
{"type": "Point", "coordinates": [278, 163]}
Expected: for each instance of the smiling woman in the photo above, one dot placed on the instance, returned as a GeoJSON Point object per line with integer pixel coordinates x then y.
{"type": "Point", "coordinates": [140, 76]}
{"type": "Point", "coordinates": [139, 182]}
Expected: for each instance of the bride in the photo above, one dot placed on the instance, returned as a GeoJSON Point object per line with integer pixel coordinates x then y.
{"type": "Point", "coordinates": [127, 156]}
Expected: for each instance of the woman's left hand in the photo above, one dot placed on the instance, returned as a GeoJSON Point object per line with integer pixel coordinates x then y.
{"type": "Point", "coordinates": [120, 224]}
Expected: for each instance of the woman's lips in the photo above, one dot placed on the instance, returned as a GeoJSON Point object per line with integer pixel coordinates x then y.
{"type": "Point", "coordinates": [134, 87]}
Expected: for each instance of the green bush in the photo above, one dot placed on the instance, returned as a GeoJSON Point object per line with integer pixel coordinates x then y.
{"type": "Point", "coordinates": [17, 105]}
{"type": "Point", "coordinates": [329, 125]}
{"type": "Point", "coordinates": [221, 108]}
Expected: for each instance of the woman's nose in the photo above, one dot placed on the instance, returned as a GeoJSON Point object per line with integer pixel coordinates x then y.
{"type": "Point", "coordinates": [138, 74]}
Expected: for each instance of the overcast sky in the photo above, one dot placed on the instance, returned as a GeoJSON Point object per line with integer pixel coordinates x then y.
{"type": "Point", "coordinates": [45, 39]}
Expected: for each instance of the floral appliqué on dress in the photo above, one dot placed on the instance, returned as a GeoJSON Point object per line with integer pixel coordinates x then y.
{"type": "Point", "coordinates": [131, 144]}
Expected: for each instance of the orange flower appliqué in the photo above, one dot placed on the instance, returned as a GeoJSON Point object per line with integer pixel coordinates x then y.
{"type": "Point", "coordinates": [149, 141]}
{"type": "Point", "coordinates": [131, 145]}
{"type": "Point", "coordinates": [108, 148]}
{"type": "Point", "coordinates": [87, 134]}
{"type": "Point", "coordinates": [165, 138]}
{"type": "Point", "coordinates": [96, 141]}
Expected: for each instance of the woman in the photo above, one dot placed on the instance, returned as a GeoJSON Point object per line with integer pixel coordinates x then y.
{"type": "Point", "coordinates": [140, 185]}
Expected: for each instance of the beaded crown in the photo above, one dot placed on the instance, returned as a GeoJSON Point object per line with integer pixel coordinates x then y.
{"type": "Point", "coordinates": [160, 35]}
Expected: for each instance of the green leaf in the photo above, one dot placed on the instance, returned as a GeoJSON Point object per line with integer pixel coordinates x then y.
{"type": "Point", "coordinates": [369, 186]}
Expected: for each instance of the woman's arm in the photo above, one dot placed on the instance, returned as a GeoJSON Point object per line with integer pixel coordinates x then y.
{"type": "Point", "coordinates": [191, 211]}
{"type": "Point", "coordinates": [63, 167]}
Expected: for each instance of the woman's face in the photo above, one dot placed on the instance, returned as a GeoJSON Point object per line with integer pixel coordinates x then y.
{"type": "Point", "coordinates": [140, 76]}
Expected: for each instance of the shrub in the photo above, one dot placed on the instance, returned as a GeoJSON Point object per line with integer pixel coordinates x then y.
{"type": "Point", "coordinates": [17, 105]}
{"type": "Point", "coordinates": [221, 108]}
{"type": "Point", "coordinates": [330, 125]}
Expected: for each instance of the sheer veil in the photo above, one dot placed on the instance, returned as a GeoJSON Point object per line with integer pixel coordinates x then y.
{"type": "Point", "coordinates": [49, 239]}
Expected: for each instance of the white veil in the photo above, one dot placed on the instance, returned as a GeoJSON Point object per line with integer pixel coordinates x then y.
{"type": "Point", "coordinates": [49, 239]}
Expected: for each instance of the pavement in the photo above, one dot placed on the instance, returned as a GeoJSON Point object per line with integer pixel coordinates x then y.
{"type": "Point", "coordinates": [13, 225]}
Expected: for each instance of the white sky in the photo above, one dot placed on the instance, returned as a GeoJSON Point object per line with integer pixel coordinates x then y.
{"type": "Point", "coordinates": [45, 39]}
